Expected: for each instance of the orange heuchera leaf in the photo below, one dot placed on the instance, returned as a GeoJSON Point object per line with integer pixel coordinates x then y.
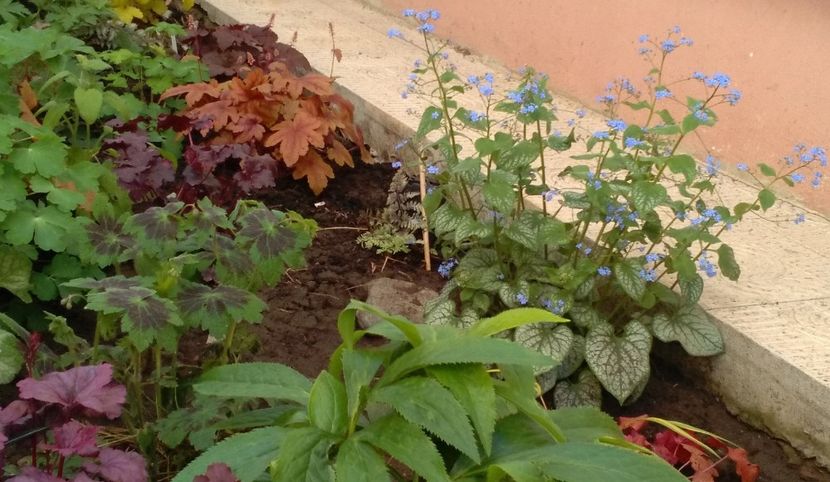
{"type": "Point", "coordinates": [748, 471]}
{"type": "Point", "coordinates": [194, 92]}
{"type": "Point", "coordinates": [295, 136]}
{"type": "Point", "coordinates": [315, 83]}
{"type": "Point", "coordinates": [28, 94]}
{"type": "Point", "coordinates": [635, 423]}
{"type": "Point", "coordinates": [339, 154]}
{"type": "Point", "coordinates": [248, 127]}
{"type": "Point", "coordinates": [315, 169]}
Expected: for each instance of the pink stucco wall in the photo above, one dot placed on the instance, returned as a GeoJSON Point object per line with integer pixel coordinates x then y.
{"type": "Point", "coordinates": [776, 51]}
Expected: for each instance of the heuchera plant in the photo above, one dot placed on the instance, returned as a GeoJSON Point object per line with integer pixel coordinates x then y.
{"type": "Point", "coordinates": [52, 417]}
{"type": "Point", "coordinates": [622, 225]}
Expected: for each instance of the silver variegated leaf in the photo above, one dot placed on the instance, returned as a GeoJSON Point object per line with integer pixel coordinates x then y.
{"type": "Point", "coordinates": [586, 391]}
{"type": "Point", "coordinates": [552, 340]}
{"type": "Point", "coordinates": [573, 359]}
{"type": "Point", "coordinates": [691, 327]}
{"type": "Point", "coordinates": [620, 362]}
{"type": "Point", "coordinates": [584, 316]}
{"type": "Point", "coordinates": [691, 289]}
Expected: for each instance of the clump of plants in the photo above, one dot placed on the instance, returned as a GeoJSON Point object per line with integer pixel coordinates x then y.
{"type": "Point", "coordinates": [436, 403]}
{"type": "Point", "coordinates": [623, 225]}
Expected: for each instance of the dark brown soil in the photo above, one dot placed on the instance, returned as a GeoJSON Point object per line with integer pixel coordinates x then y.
{"type": "Point", "coordinates": [299, 328]}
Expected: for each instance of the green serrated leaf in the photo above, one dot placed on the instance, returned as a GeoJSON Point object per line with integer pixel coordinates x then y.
{"type": "Point", "coordinates": [303, 457]}
{"type": "Point", "coordinates": [472, 386]}
{"type": "Point", "coordinates": [593, 462]}
{"type": "Point", "coordinates": [683, 164]}
{"type": "Point", "coordinates": [254, 380]}
{"type": "Point", "coordinates": [359, 462]}
{"type": "Point", "coordinates": [513, 318]}
{"type": "Point", "coordinates": [408, 444]}
{"type": "Point", "coordinates": [620, 362]}
{"type": "Point", "coordinates": [586, 424]}
{"type": "Point", "coordinates": [359, 369]}
{"type": "Point", "coordinates": [691, 327]}
{"type": "Point", "coordinates": [246, 454]}
{"type": "Point", "coordinates": [15, 272]}
{"type": "Point", "coordinates": [499, 191]}
{"type": "Point", "coordinates": [264, 228]}
{"type": "Point", "coordinates": [214, 309]}
{"type": "Point", "coordinates": [46, 157]}
{"type": "Point", "coordinates": [424, 402]}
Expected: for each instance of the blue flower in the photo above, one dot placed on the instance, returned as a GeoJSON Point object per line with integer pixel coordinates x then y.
{"type": "Point", "coordinates": [742, 166]}
{"type": "Point", "coordinates": [426, 28]}
{"type": "Point", "coordinates": [400, 145]}
{"type": "Point", "coordinates": [606, 99]}
{"type": "Point", "coordinates": [643, 38]}
{"type": "Point", "coordinates": [601, 135]}
{"type": "Point", "coordinates": [527, 108]}
{"type": "Point", "coordinates": [686, 41]}
{"type": "Point", "coordinates": [800, 218]}
{"type": "Point", "coordinates": [662, 94]}
{"type": "Point", "coordinates": [486, 89]}
{"type": "Point", "coordinates": [409, 12]}
{"type": "Point", "coordinates": [422, 16]}
{"type": "Point", "coordinates": [644, 51]}
{"type": "Point", "coordinates": [604, 271]}
{"type": "Point", "coordinates": [445, 56]}
{"type": "Point", "coordinates": [705, 265]}
{"type": "Point", "coordinates": [718, 79]}
{"type": "Point", "coordinates": [648, 275]}
{"type": "Point", "coordinates": [396, 165]}
{"type": "Point", "coordinates": [472, 80]}
{"type": "Point", "coordinates": [712, 214]}
{"type": "Point", "coordinates": [733, 97]}
{"type": "Point", "coordinates": [556, 309]}
{"type": "Point", "coordinates": [434, 14]}
{"type": "Point", "coordinates": [550, 194]}
{"type": "Point", "coordinates": [393, 32]}
{"type": "Point", "coordinates": [668, 45]}
{"type": "Point", "coordinates": [816, 182]}
{"type": "Point", "coordinates": [476, 116]}
{"type": "Point", "coordinates": [446, 267]}
{"type": "Point", "coordinates": [819, 153]}
{"type": "Point", "coordinates": [521, 298]}
{"type": "Point", "coordinates": [404, 94]}
{"type": "Point", "coordinates": [797, 177]}
{"type": "Point", "coordinates": [571, 122]}
{"type": "Point", "coordinates": [675, 29]}
{"type": "Point", "coordinates": [653, 257]}
{"type": "Point", "coordinates": [631, 142]}
{"type": "Point", "coordinates": [698, 75]}
{"type": "Point", "coordinates": [515, 96]}
{"type": "Point", "coordinates": [702, 116]}
{"type": "Point", "coordinates": [418, 63]}
{"type": "Point", "coordinates": [712, 165]}
{"type": "Point", "coordinates": [412, 76]}
{"type": "Point", "coordinates": [617, 124]}
{"type": "Point", "coordinates": [433, 169]}
{"type": "Point", "coordinates": [435, 115]}
{"type": "Point", "coordinates": [580, 113]}
{"type": "Point", "coordinates": [488, 76]}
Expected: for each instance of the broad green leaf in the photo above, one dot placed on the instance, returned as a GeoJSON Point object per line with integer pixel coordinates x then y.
{"type": "Point", "coordinates": [408, 444]}
{"type": "Point", "coordinates": [530, 408]}
{"type": "Point", "coordinates": [303, 457]}
{"type": "Point", "coordinates": [430, 121]}
{"type": "Point", "coordinates": [89, 103]}
{"type": "Point", "coordinates": [50, 228]}
{"type": "Point", "coordinates": [517, 471]}
{"type": "Point", "coordinates": [498, 191]}
{"type": "Point", "coordinates": [472, 386]}
{"type": "Point", "coordinates": [592, 462]}
{"type": "Point", "coordinates": [46, 157]}
{"type": "Point", "coordinates": [346, 322]}
{"type": "Point", "coordinates": [327, 406]}
{"type": "Point", "coordinates": [521, 155]}
{"type": "Point", "coordinates": [359, 369]}
{"type": "Point", "coordinates": [727, 263]}
{"type": "Point", "coordinates": [573, 359]}
{"type": "Point", "coordinates": [767, 170]}
{"type": "Point", "coordinates": [683, 164]}
{"type": "Point", "coordinates": [586, 391]}
{"type": "Point", "coordinates": [513, 318]}
{"type": "Point", "coordinates": [15, 272]}
{"type": "Point", "coordinates": [246, 454]}
{"type": "Point", "coordinates": [254, 380]}
{"type": "Point", "coordinates": [525, 231]}
{"type": "Point", "coordinates": [627, 273]}
{"type": "Point", "coordinates": [584, 316]}
{"type": "Point", "coordinates": [462, 349]}
{"type": "Point", "coordinates": [620, 362]}
{"type": "Point", "coordinates": [766, 198]}
{"type": "Point", "coordinates": [585, 424]}
{"type": "Point", "coordinates": [424, 402]}
{"type": "Point", "coordinates": [446, 219]}
{"type": "Point", "coordinates": [691, 327]}
{"type": "Point", "coordinates": [552, 341]}
{"type": "Point", "coordinates": [11, 357]}
{"type": "Point", "coordinates": [647, 195]}
{"type": "Point", "coordinates": [359, 462]}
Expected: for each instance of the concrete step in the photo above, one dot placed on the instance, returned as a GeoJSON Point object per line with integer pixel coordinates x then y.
{"type": "Point", "coordinates": [775, 321]}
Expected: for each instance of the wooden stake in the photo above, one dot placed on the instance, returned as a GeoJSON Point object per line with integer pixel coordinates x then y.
{"type": "Point", "coordinates": [422, 178]}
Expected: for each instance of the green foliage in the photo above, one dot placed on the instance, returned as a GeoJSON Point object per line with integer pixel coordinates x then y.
{"type": "Point", "coordinates": [636, 213]}
{"type": "Point", "coordinates": [437, 400]}
{"type": "Point", "coordinates": [384, 239]}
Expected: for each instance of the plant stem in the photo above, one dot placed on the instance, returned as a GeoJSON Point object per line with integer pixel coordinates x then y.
{"type": "Point", "coordinates": [226, 345]}
{"type": "Point", "coordinates": [544, 174]}
{"type": "Point", "coordinates": [157, 357]}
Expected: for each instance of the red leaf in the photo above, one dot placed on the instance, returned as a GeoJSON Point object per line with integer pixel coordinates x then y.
{"type": "Point", "coordinates": [32, 474]}
{"type": "Point", "coordinates": [636, 423]}
{"type": "Point", "coordinates": [90, 387]}
{"type": "Point", "coordinates": [636, 437]}
{"type": "Point", "coordinates": [255, 172]}
{"type": "Point", "coordinates": [119, 466]}
{"type": "Point", "coordinates": [295, 136]}
{"type": "Point", "coordinates": [74, 438]}
{"type": "Point", "coordinates": [313, 167]}
{"type": "Point", "coordinates": [217, 473]}
{"type": "Point", "coordinates": [703, 467]}
{"type": "Point", "coordinates": [748, 471]}
{"type": "Point", "coordinates": [670, 447]}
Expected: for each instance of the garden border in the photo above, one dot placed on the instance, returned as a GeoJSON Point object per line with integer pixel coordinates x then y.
{"type": "Point", "coordinates": [776, 371]}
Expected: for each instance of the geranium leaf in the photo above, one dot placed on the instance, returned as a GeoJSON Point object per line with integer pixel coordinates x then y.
{"type": "Point", "coordinates": [266, 231]}
{"type": "Point", "coordinates": [11, 357]}
{"type": "Point", "coordinates": [215, 308]}
{"type": "Point", "coordinates": [145, 314]}
{"type": "Point", "coordinates": [46, 157]}
{"type": "Point", "coordinates": [15, 272]}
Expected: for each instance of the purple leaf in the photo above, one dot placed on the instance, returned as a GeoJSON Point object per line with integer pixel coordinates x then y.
{"type": "Point", "coordinates": [90, 387]}
{"type": "Point", "coordinates": [119, 466]}
{"type": "Point", "coordinates": [74, 438]}
{"type": "Point", "coordinates": [31, 474]}
{"type": "Point", "coordinates": [217, 473]}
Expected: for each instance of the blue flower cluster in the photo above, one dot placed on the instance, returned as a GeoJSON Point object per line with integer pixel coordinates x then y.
{"type": "Point", "coordinates": [604, 271]}
{"type": "Point", "coordinates": [631, 143]}
{"type": "Point", "coordinates": [706, 266]}
{"type": "Point", "coordinates": [585, 249]}
{"type": "Point", "coordinates": [550, 194]}
{"type": "Point", "coordinates": [662, 93]}
{"type": "Point", "coordinates": [648, 275]}
{"type": "Point", "coordinates": [424, 17]}
{"type": "Point", "coordinates": [521, 298]}
{"type": "Point", "coordinates": [712, 165]}
{"type": "Point", "coordinates": [556, 308]}
{"type": "Point", "coordinates": [433, 169]}
{"type": "Point", "coordinates": [445, 269]}
{"type": "Point", "coordinates": [707, 215]}
{"type": "Point", "coordinates": [483, 83]}
{"type": "Point", "coordinates": [619, 214]}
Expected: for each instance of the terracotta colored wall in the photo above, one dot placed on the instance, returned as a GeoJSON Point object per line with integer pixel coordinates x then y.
{"type": "Point", "coordinates": [776, 51]}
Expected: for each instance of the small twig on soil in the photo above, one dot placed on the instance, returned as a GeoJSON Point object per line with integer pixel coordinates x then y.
{"type": "Point", "coordinates": [383, 267]}
{"type": "Point", "coordinates": [324, 294]}
{"type": "Point", "coordinates": [422, 179]}
{"type": "Point", "coordinates": [342, 227]}
{"type": "Point", "coordinates": [357, 286]}
{"type": "Point", "coordinates": [405, 274]}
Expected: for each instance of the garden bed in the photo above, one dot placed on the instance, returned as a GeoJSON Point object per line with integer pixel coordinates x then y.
{"type": "Point", "coordinates": [299, 329]}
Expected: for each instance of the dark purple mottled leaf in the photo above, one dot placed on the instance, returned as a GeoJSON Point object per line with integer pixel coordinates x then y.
{"type": "Point", "coordinates": [139, 165]}
{"type": "Point", "coordinates": [144, 312]}
{"type": "Point", "coordinates": [217, 472]}
{"type": "Point", "coordinates": [255, 172]}
{"type": "Point", "coordinates": [89, 387]}
{"type": "Point", "coordinates": [159, 223]}
{"type": "Point", "coordinates": [265, 230]}
{"type": "Point", "coordinates": [32, 474]}
{"type": "Point", "coordinates": [74, 438]}
{"type": "Point", "coordinates": [108, 240]}
{"type": "Point", "coordinates": [118, 466]}
{"type": "Point", "coordinates": [214, 308]}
